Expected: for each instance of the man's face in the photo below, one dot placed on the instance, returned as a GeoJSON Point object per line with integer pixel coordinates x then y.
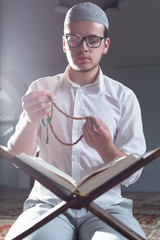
{"type": "Point", "coordinates": [84, 58]}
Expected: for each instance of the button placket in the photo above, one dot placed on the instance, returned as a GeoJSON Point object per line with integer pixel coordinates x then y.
{"type": "Point", "coordinates": [76, 133]}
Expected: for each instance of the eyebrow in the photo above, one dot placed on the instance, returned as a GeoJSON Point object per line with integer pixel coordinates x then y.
{"type": "Point", "coordinates": [74, 34]}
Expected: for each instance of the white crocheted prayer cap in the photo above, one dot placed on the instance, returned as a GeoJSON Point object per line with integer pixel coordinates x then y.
{"type": "Point", "coordinates": [86, 11]}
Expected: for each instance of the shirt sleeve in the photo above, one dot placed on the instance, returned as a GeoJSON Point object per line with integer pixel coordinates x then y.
{"type": "Point", "coordinates": [21, 122]}
{"type": "Point", "coordinates": [130, 137]}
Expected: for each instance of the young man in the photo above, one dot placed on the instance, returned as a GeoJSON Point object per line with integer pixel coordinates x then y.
{"type": "Point", "coordinates": [114, 129]}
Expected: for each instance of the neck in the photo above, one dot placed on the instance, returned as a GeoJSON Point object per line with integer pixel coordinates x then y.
{"type": "Point", "coordinates": [83, 78]}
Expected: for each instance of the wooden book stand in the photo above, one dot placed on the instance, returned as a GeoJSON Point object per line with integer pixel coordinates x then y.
{"type": "Point", "coordinates": [76, 201]}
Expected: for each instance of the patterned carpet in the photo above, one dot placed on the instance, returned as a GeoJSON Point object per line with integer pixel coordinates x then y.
{"type": "Point", "coordinates": [146, 210]}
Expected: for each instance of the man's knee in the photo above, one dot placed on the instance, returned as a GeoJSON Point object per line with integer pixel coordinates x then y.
{"type": "Point", "coordinates": [104, 235]}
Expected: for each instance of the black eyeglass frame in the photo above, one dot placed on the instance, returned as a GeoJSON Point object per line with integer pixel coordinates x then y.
{"type": "Point", "coordinates": [83, 39]}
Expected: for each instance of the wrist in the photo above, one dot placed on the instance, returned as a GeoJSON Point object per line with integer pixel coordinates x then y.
{"type": "Point", "coordinates": [110, 152]}
{"type": "Point", "coordinates": [30, 124]}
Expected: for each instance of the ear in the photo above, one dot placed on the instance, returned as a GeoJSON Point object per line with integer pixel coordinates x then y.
{"type": "Point", "coordinates": [106, 45]}
{"type": "Point", "coordinates": [64, 44]}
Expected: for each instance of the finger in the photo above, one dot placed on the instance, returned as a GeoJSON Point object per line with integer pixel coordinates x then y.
{"type": "Point", "coordinates": [37, 100]}
{"type": "Point", "coordinates": [52, 97]}
{"type": "Point", "coordinates": [87, 136]}
{"type": "Point", "coordinates": [86, 131]}
{"type": "Point", "coordinates": [95, 122]}
{"type": "Point", "coordinates": [99, 125]}
{"type": "Point", "coordinates": [40, 114]}
{"type": "Point", "coordinates": [37, 107]}
{"type": "Point", "coordinates": [40, 96]}
{"type": "Point", "coordinates": [35, 94]}
{"type": "Point", "coordinates": [89, 129]}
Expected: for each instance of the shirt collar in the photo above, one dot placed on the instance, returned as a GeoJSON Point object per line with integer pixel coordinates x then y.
{"type": "Point", "coordinates": [98, 83]}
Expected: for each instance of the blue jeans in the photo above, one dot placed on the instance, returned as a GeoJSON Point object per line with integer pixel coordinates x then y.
{"type": "Point", "coordinates": [77, 224]}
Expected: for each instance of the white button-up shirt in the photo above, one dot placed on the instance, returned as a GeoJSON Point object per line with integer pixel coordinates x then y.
{"type": "Point", "coordinates": [106, 99]}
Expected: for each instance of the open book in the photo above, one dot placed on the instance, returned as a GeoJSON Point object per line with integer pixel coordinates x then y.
{"type": "Point", "coordinates": [87, 184]}
{"type": "Point", "coordinates": [86, 191]}
{"type": "Point", "coordinates": [54, 179]}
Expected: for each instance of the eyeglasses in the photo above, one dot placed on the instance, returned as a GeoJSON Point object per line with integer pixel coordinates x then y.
{"type": "Point", "coordinates": [91, 41]}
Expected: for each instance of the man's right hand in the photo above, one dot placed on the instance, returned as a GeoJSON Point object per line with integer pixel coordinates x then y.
{"type": "Point", "coordinates": [37, 104]}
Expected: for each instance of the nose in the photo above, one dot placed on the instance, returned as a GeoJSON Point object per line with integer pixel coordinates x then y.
{"type": "Point", "coordinates": [84, 45]}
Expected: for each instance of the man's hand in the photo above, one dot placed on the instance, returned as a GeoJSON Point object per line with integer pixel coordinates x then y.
{"type": "Point", "coordinates": [96, 133]}
{"type": "Point", "coordinates": [37, 104]}
{"type": "Point", "coordinates": [97, 136]}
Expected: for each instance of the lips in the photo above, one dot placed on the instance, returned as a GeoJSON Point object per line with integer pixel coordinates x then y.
{"type": "Point", "coordinates": [83, 58]}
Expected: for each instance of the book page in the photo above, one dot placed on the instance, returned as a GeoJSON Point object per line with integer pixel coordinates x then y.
{"type": "Point", "coordinates": [50, 171]}
{"type": "Point", "coordinates": [104, 167]}
{"type": "Point", "coordinates": [97, 179]}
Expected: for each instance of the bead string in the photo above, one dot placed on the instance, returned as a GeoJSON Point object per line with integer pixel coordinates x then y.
{"type": "Point", "coordinates": [49, 122]}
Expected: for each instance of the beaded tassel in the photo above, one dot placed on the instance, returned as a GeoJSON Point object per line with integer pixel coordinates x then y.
{"type": "Point", "coordinates": [49, 120]}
